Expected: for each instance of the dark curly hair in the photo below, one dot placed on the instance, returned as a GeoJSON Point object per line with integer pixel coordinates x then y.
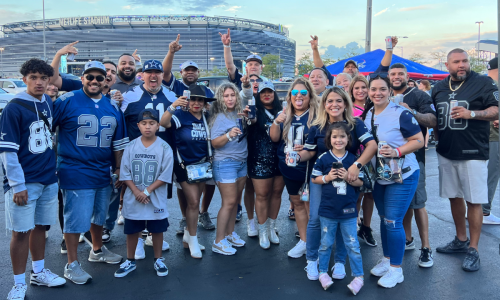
{"type": "Point", "coordinates": [35, 65]}
{"type": "Point", "coordinates": [337, 126]}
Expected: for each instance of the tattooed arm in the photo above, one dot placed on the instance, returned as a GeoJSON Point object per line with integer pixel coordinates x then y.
{"type": "Point", "coordinates": [427, 120]}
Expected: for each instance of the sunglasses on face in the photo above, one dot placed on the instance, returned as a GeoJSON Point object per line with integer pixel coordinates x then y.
{"type": "Point", "coordinates": [91, 77]}
{"type": "Point", "coordinates": [256, 80]}
{"type": "Point", "coordinates": [302, 92]}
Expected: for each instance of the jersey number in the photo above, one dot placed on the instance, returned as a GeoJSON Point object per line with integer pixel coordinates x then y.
{"type": "Point", "coordinates": [161, 109]}
{"type": "Point", "coordinates": [144, 173]}
{"type": "Point", "coordinates": [85, 135]}
{"type": "Point", "coordinates": [445, 120]}
{"type": "Point", "coordinates": [40, 139]}
{"type": "Point", "coordinates": [341, 187]}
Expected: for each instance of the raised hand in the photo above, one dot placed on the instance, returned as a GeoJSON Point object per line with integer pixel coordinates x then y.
{"type": "Point", "coordinates": [69, 48]}
{"type": "Point", "coordinates": [226, 38]}
{"type": "Point", "coordinates": [174, 45]}
{"type": "Point", "coordinates": [394, 41]}
{"type": "Point", "coordinates": [314, 42]}
{"type": "Point", "coordinates": [135, 56]}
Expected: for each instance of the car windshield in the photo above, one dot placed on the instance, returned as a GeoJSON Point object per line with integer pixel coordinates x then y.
{"type": "Point", "coordinates": [19, 83]}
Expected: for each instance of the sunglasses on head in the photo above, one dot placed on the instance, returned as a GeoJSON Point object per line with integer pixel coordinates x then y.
{"type": "Point", "coordinates": [302, 92]}
{"type": "Point", "coordinates": [91, 77]}
{"type": "Point", "coordinates": [381, 75]}
{"type": "Point", "coordinates": [256, 80]}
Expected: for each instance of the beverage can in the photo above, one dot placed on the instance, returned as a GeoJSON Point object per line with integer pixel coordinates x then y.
{"type": "Point", "coordinates": [187, 94]}
{"type": "Point", "coordinates": [292, 159]}
{"type": "Point", "coordinates": [239, 123]}
{"type": "Point", "coordinates": [139, 62]}
{"type": "Point", "coordinates": [398, 98]}
{"type": "Point", "coordinates": [112, 93]}
{"type": "Point", "coordinates": [284, 105]}
{"type": "Point", "coordinates": [114, 178]}
{"type": "Point", "coordinates": [70, 57]}
{"type": "Point", "coordinates": [453, 103]}
{"type": "Point", "coordinates": [380, 145]}
{"type": "Point", "coordinates": [388, 43]}
{"type": "Point", "coordinates": [253, 112]}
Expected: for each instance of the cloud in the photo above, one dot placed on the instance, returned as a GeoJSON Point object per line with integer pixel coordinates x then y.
{"type": "Point", "coordinates": [381, 12]}
{"type": "Point", "coordinates": [10, 16]}
{"type": "Point", "coordinates": [218, 6]}
{"type": "Point", "coordinates": [193, 5]}
{"type": "Point", "coordinates": [233, 8]}
{"type": "Point", "coordinates": [420, 7]}
{"type": "Point", "coordinates": [335, 52]}
{"type": "Point", "coordinates": [127, 7]}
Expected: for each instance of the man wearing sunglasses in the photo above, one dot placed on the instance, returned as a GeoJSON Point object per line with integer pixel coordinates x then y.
{"type": "Point", "coordinates": [91, 131]}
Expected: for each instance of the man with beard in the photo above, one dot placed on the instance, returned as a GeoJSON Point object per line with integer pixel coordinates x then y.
{"type": "Point", "coordinates": [466, 103]}
{"type": "Point", "coordinates": [419, 103]}
{"type": "Point", "coordinates": [126, 74]}
{"type": "Point", "coordinates": [91, 132]}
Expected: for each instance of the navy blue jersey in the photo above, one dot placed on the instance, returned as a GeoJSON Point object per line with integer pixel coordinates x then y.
{"type": "Point", "coordinates": [69, 85]}
{"type": "Point", "coordinates": [138, 99]}
{"type": "Point", "coordinates": [338, 198]}
{"type": "Point", "coordinates": [359, 136]}
{"type": "Point", "coordinates": [23, 132]}
{"type": "Point", "coordinates": [178, 87]}
{"type": "Point", "coordinates": [89, 131]}
{"type": "Point", "coordinates": [190, 136]}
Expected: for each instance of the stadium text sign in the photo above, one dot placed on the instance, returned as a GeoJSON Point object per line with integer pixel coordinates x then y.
{"type": "Point", "coordinates": [100, 20]}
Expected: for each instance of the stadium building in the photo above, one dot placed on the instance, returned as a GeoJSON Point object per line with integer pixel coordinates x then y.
{"type": "Point", "coordinates": [106, 37]}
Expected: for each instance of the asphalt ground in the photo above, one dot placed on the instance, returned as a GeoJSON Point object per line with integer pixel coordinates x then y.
{"type": "Point", "coordinates": [254, 273]}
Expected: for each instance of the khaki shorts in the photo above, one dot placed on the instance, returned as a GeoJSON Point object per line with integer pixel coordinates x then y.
{"type": "Point", "coordinates": [466, 179]}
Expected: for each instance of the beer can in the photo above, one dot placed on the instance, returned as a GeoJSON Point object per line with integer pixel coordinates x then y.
{"type": "Point", "coordinates": [70, 57]}
{"type": "Point", "coordinates": [239, 123]}
{"type": "Point", "coordinates": [187, 94]}
{"type": "Point", "coordinates": [252, 114]}
{"type": "Point", "coordinates": [380, 145]}
{"type": "Point", "coordinates": [388, 43]}
{"type": "Point", "coordinates": [284, 105]}
{"type": "Point", "coordinates": [453, 103]}
{"type": "Point", "coordinates": [114, 178]}
{"type": "Point", "coordinates": [112, 93]}
{"type": "Point", "coordinates": [292, 159]}
{"type": "Point", "coordinates": [398, 98]}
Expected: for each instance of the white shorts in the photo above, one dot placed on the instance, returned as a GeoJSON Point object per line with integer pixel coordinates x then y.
{"type": "Point", "coordinates": [178, 185]}
{"type": "Point", "coordinates": [466, 179]}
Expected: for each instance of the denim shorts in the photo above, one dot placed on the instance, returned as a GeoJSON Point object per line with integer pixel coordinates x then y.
{"type": "Point", "coordinates": [82, 207]}
{"type": "Point", "coordinates": [41, 208]}
{"type": "Point", "coordinates": [228, 170]}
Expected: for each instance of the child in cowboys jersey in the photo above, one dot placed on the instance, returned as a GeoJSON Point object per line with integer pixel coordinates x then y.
{"type": "Point", "coordinates": [146, 167]}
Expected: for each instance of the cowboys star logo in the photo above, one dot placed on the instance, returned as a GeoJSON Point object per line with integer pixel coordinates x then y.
{"type": "Point", "coordinates": [452, 96]}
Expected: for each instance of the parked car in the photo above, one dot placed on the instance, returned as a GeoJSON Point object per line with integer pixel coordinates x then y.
{"type": "Point", "coordinates": [5, 97]}
{"type": "Point", "coordinates": [213, 82]}
{"type": "Point", "coordinates": [13, 86]}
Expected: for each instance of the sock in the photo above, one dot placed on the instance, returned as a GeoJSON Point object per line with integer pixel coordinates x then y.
{"type": "Point", "coordinates": [156, 259]}
{"type": "Point", "coordinates": [97, 251]}
{"type": "Point", "coordinates": [131, 259]}
{"type": "Point", "coordinates": [20, 279]}
{"type": "Point", "coordinates": [38, 266]}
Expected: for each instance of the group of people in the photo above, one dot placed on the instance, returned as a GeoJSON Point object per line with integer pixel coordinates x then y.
{"type": "Point", "coordinates": [338, 144]}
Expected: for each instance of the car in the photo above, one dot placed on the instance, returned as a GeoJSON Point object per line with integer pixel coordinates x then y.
{"type": "Point", "coordinates": [5, 97]}
{"type": "Point", "coordinates": [12, 85]}
{"type": "Point", "coordinates": [282, 89]}
{"type": "Point", "coordinates": [213, 82]}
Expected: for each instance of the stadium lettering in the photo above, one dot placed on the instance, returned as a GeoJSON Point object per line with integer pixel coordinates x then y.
{"type": "Point", "coordinates": [102, 20]}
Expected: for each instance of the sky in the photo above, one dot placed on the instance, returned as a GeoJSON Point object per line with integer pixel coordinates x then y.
{"type": "Point", "coordinates": [429, 25]}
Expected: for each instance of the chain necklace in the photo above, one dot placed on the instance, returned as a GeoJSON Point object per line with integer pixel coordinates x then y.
{"type": "Point", "coordinates": [153, 97]}
{"type": "Point", "coordinates": [453, 90]}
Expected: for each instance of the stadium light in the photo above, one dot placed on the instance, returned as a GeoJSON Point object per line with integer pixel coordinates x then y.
{"type": "Point", "coordinates": [478, 39]}
{"type": "Point", "coordinates": [1, 58]}
{"type": "Point", "coordinates": [212, 62]}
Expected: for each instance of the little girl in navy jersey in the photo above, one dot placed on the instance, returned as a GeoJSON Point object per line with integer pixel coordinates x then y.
{"type": "Point", "coordinates": [338, 204]}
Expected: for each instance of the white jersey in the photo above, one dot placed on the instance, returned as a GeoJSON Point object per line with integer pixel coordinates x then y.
{"type": "Point", "coordinates": [144, 166]}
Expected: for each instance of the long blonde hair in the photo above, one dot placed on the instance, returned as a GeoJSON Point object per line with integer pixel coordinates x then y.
{"type": "Point", "coordinates": [323, 117]}
{"type": "Point", "coordinates": [219, 106]}
{"type": "Point", "coordinates": [290, 110]}
{"type": "Point", "coordinates": [356, 79]}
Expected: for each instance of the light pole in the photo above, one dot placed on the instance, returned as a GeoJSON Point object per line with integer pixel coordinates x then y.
{"type": "Point", "coordinates": [44, 48]}
{"type": "Point", "coordinates": [368, 38]}
{"type": "Point", "coordinates": [1, 58]}
{"type": "Point", "coordinates": [212, 62]}
{"type": "Point", "coordinates": [478, 39]}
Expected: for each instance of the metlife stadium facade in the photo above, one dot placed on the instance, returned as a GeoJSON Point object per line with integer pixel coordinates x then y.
{"type": "Point", "coordinates": [106, 37]}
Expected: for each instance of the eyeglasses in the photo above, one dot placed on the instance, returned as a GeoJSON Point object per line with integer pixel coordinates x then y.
{"type": "Point", "coordinates": [302, 92]}
{"type": "Point", "coordinates": [256, 80]}
{"type": "Point", "coordinates": [91, 77]}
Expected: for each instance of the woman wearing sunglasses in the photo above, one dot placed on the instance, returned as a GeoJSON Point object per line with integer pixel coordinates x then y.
{"type": "Point", "coordinates": [192, 141]}
{"type": "Point", "coordinates": [396, 126]}
{"type": "Point", "coordinates": [335, 106]}
{"type": "Point", "coordinates": [291, 124]}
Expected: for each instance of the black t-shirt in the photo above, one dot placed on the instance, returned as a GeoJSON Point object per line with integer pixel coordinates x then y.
{"type": "Point", "coordinates": [463, 139]}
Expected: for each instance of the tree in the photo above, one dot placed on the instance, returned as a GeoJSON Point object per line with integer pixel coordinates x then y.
{"type": "Point", "coordinates": [304, 65]}
{"type": "Point", "coordinates": [440, 56]}
{"type": "Point", "coordinates": [476, 64]}
{"type": "Point", "coordinates": [214, 72]}
{"type": "Point", "coordinates": [271, 63]}
{"type": "Point", "coordinates": [351, 52]}
{"type": "Point", "coordinates": [418, 58]}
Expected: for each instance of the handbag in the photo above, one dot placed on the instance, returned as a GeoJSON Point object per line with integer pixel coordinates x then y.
{"type": "Point", "coordinates": [367, 175]}
{"type": "Point", "coordinates": [200, 171]}
{"type": "Point", "coordinates": [304, 189]}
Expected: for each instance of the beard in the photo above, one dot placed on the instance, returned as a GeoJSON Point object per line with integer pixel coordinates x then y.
{"type": "Point", "coordinates": [460, 78]}
{"type": "Point", "coordinates": [125, 77]}
{"type": "Point", "coordinates": [89, 93]}
{"type": "Point", "coordinates": [398, 88]}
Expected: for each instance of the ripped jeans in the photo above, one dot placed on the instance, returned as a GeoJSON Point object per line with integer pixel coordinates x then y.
{"type": "Point", "coordinates": [392, 202]}
{"type": "Point", "coordinates": [348, 228]}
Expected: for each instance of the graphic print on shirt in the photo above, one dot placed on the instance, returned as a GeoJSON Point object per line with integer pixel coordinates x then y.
{"type": "Point", "coordinates": [199, 133]}
{"type": "Point", "coordinates": [86, 133]}
{"type": "Point", "coordinates": [40, 138]}
{"type": "Point", "coordinates": [296, 132]}
{"type": "Point", "coordinates": [444, 116]}
{"type": "Point", "coordinates": [341, 187]}
{"type": "Point", "coordinates": [143, 173]}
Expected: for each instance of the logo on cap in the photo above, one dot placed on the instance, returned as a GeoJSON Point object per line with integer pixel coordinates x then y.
{"type": "Point", "coordinates": [95, 65]}
{"type": "Point", "coordinates": [254, 57]}
{"type": "Point", "coordinates": [152, 65]}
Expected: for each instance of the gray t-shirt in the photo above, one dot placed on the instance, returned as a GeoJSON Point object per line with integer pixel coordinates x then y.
{"type": "Point", "coordinates": [144, 166]}
{"type": "Point", "coordinates": [234, 150]}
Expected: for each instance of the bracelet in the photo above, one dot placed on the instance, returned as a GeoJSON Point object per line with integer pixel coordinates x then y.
{"type": "Point", "coordinates": [323, 178]}
{"type": "Point", "coordinates": [146, 192]}
{"type": "Point", "coordinates": [274, 122]}
{"type": "Point", "coordinates": [229, 137]}
{"type": "Point", "coordinates": [399, 152]}
{"type": "Point", "coordinates": [247, 86]}
{"type": "Point", "coordinates": [298, 158]}
{"type": "Point", "coordinates": [171, 108]}
{"type": "Point", "coordinates": [226, 46]}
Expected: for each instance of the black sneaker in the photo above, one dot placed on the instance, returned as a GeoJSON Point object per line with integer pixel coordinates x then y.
{"type": "Point", "coordinates": [471, 262]}
{"type": "Point", "coordinates": [88, 238]}
{"type": "Point", "coordinates": [238, 213]}
{"type": "Point", "coordinates": [410, 245]}
{"type": "Point", "coordinates": [297, 234]}
{"type": "Point", "coordinates": [365, 234]}
{"type": "Point", "coordinates": [455, 246]}
{"type": "Point", "coordinates": [106, 235]}
{"type": "Point", "coordinates": [64, 250]}
{"type": "Point", "coordinates": [425, 260]}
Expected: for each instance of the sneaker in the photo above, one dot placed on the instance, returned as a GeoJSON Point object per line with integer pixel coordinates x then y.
{"type": "Point", "coordinates": [223, 248]}
{"type": "Point", "coordinates": [46, 234]}
{"type": "Point", "coordinates": [235, 240]}
{"type": "Point", "coordinates": [64, 250]}
{"type": "Point", "coordinates": [76, 274]}
{"type": "Point", "coordinates": [325, 280]}
{"type": "Point", "coordinates": [46, 278]}
{"type": "Point", "coordinates": [80, 239]}
{"type": "Point", "coordinates": [239, 213]}
{"type": "Point", "coordinates": [149, 242]}
{"type": "Point", "coordinates": [121, 220]}
{"type": "Point", "coordinates": [381, 268]}
{"type": "Point", "coordinates": [425, 260]}
{"type": "Point", "coordinates": [160, 267]}
{"type": "Point", "coordinates": [105, 256]}
{"type": "Point", "coordinates": [106, 235]}
{"type": "Point", "coordinates": [291, 214]}
{"type": "Point", "coordinates": [297, 234]}
{"type": "Point", "coordinates": [471, 261]}
{"type": "Point", "coordinates": [182, 225]}
{"type": "Point", "coordinates": [18, 292]}
{"type": "Point", "coordinates": [251, 229]}
{"type": "Point", "coordinates": [491, 219]}
{"type": "Point", "coordinates": [145, 232]}
{"type": "Point", "coordinates": [356, 285]}
{"type": "Point", "coordinates": [338, 271]}
{"type": "Point", "coordinates": [205, 221]}
{"type": "Point", "coordinates": [125, 268]}
{"type": "Point", "coordinates": [139, 250]}
{"type": "Point", "coordinates": [312, 270]}
{"type": "Point", "coordinates": [365, 234]}
{"type": "Point", "coordinates": [298, 250]}
{"type": "Point", "coordinates": [455, 246]}
{"type": "Point", "coordinates": [87, 237]}
{"type": "Point", "coordinates": [391, 278]}
{"type": "Point", "coordinates": [410, 245]}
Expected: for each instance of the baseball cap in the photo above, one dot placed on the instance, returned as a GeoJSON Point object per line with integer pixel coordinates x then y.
{"type": "Point", "coordinates": [152, 64]}
{"type": "Point", "coordinates": [94, 65]}
{"type": "Point", "coordinates": [266, 85]}
{"type": "Point", "coordinates": [254, 57]}
{"type": "Point", "coordinates": [189, 63]}
{"type": "Point", "coordinates": [148, 114]}
{"type": "Point", "coordinates": [351, 62]}
{"type": "Point", "coordinates": [493, 64]}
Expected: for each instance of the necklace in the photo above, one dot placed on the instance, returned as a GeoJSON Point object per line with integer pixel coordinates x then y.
{"type": "Point", "coordinates": [153, 97]}
{"type": "Point", "coordinates": [453, 90]}
{"type": "Point", "coordinates": [298, 117]}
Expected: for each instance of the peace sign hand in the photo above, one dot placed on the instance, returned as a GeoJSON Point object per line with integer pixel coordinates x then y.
{"type": "Point", "coordinates": [226, 38]}
{"type": "Point", "coordinates": [174, 46]}
{"type": "Point", "coordinates": [314, 42]}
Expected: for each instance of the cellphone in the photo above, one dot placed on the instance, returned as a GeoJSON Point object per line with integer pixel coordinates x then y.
{"type": "Point", "coordinates": [337, 165]}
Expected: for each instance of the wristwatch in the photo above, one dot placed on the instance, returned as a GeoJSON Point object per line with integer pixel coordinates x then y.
{"type": "Point", "coordinates": [358, 164]}
{"type": "Point", "coordinates": [472, 114]}
{"type": "Point", "coordinates": [415, 112]}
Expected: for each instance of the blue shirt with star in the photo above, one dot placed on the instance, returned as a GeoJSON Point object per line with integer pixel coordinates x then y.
{"type": "Point", "coordinates": [190, 136]}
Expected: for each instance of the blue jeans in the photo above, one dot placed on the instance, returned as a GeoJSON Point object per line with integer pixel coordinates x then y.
{"type": "Point", "coordinates": [314, 229]}
{"type": "Point", "coordinates": [392, 202]}
{"type": "Point", "coordinates": [114, 207]}
{"type": "Point", "coordinates": [329, 233]}
{"type": "Point", "coordinates": [229, 170]}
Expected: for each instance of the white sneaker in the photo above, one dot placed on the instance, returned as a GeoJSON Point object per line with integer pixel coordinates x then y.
{"type": "Point", "coordinates": [149, 242]}
{"type": "Point", "coordinates": [235, 240]}
{"type": "Point", "coordinates": [223, 247]}
{"type": "Point", "coordinates": [391, 278]}
{"type": "Point", "coordinates": [491, 220]}
{"type": "Point", "coordinates": [381, 268]}
{"type": "Point", "coordinates": [298, 250]}
{"type": "Point", "coordinates": [139, 250]}
{"type": "Point", "coordinates": [121, 220]}
{"type": "Point", "coordinates": [251, 229]}
{"type": "Point", "coordinates": [312, 270]}
{"type": "Point", "coordinates": [46, 278]}
{"type": "Point", "coordinates": [80, 239]}
{"type": "Point", "coordinates": [18, 292]}
{"type": "Point", "coordinates": [338, 271]}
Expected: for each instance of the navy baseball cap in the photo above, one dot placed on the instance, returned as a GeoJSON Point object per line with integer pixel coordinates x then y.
{"type": "Point", "coordinates": [351, 62]}
{"type": "Point", "coordinates": [493, 64]}
{"type": "Point", "coordinates": [254, 57]}
{"type": "Point", "coordinates": [148, 114]}
{"type": "Point", "coordinates": [266, 85]}
{"type": "Point", "coordinates": [189, 63]}
{"type": "Point", "coordinates": [152, 64]}
{"type": "Point", "coordinates": [94, 65]}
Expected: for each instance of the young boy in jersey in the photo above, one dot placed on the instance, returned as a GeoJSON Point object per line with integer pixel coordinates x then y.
{"type": "Point", "coordinates": [146, 167]}
{"type": "Point", "coordinates": [338, 204]}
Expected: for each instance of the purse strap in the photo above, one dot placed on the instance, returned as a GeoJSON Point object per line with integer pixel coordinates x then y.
{"type": "Point", "coordinates": [30, 108]}
{"type": "Point", "coordinates": [208, 144]}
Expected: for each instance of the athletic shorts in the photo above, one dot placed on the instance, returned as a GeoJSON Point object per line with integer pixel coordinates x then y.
{"type": "Point", "coordinates": [292, 186]}
{"type": "Point", "coordinates": [420, 196]}
{"type": "Point", "coordinates": [466, 179]}
{"type": "Point", "coordinates": [153, 226]}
